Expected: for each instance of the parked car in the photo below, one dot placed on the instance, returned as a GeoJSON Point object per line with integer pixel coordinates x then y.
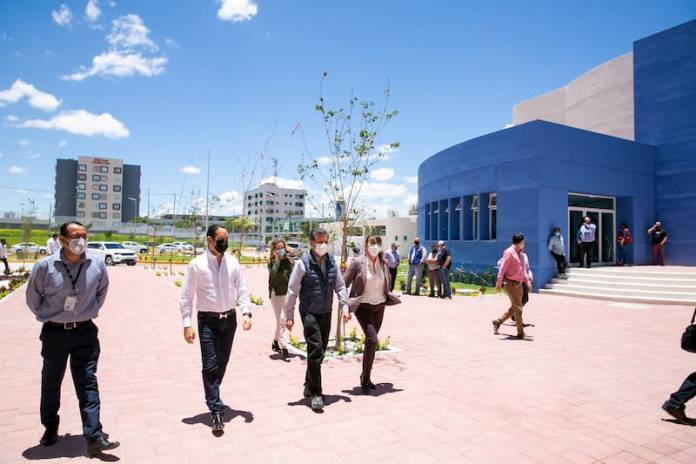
{"type": "Point", "coordinates": [29, 248]}
{"type": "Point", "coordinates": [113, 253]}
{"type": "Point", "coordinates": [295, 249]}
{"type": "Point", "coordinates": [135, 246]}
{"type": "Point", "coordinates": [166, 248]}
{"type": "Point", "coordinates": [183, 247]}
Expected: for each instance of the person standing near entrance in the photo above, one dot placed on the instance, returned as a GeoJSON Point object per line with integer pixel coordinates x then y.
{"type": "Point", "coordinates": [3, 255]}
{"type": "Point", "coordinates": [623, 240]}
{"type": "Point", "coordinates": [557, 249]}
{"type": "Point", "coordinates": [65, 292]}
{"type": "Point", "coordinates": [513, 272]}
{"type": "Point", "coordinates": [444, 259]}
{"type": "Point", "coordinates": [216, 282]}
{"type": "Point", "coordinates": [586, 241]}
{"type": "Point", "coordinates": [434, 273]}
{"type": "Point", "coordinates": [53, 244]}
{"type": "Point", "coordinates": [393, 260]}
{"type": "Point", "coordinates": [279, 269]}
{"type": "Point", "coordinates": [314, 279]}
{"type": "Point", "coordinates": [659, 238]}
{"type": "Point", "coordinates": [416, 261]}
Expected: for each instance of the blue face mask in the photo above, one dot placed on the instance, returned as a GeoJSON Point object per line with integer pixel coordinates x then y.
{"type": "Point", "coordinates": [557, 234]}
{"type": "Point", "coordinates": [281, 252]}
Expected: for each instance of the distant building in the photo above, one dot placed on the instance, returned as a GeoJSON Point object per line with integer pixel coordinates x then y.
{"type": "Point", "coordinates": [99, 191]}
{"type": "Point", "coordinates": [272, 203]}
{"type": "Point", "coordinates": [399, 230]}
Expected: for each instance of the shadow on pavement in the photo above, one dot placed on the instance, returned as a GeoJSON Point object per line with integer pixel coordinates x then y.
{"type": "Point", "coordinates": [674, 421]}
{"type": "Point", "coordinates": [230, 414]}
{"type": "Point", "coordinates": [526, 338]}
{"type": "Point", "coordinates": [328, 400]}
{"type": "Point", "coordinates": [291, 356]}
{"type": "Point", "coordinates": [382, 389]}
{"type": "Point", "coordinates": [67, 446]}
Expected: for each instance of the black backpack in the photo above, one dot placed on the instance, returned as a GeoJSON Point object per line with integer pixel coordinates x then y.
{"type": "Point", "coordinates": [688, 340]}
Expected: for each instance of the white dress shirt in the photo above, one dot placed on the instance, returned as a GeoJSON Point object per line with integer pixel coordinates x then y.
{"type": "Point", "coordinates": [374, 284]}
{"type": "Point", "coordinates": [53, 245]}
{"type": "Point", "coordinates": [217, 287]}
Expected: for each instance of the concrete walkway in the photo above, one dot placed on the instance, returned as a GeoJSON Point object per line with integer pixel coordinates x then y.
{"type": "Point", "coordinates": [587, 388]}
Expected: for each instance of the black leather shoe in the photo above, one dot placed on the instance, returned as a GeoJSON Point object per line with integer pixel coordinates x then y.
{"type": "Point", "coordinates": [96, 446]}
{"type": "Point", "coordinates": [366, 385]}
{"type": "Point", "coordinates": [275, 347]}
{"type": "Point", "coordinates": [284, 355]}
{"type": "Point", "coordinates": [679, 415]}
{"type": "Point", "coordinates": [218, 424]}
{"type": "Point", "coordinates": [50, 436]}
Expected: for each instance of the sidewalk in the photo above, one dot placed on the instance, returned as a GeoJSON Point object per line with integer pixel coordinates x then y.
{"type": "Point", "coordinates": [587, 388]}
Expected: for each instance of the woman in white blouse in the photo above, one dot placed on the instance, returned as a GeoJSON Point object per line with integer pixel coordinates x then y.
{"type": "Point", "coordinates": [368, 279]}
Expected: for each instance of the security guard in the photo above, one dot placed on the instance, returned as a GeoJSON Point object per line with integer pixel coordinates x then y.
{"type": "Point", "coordinates": [65, 292]}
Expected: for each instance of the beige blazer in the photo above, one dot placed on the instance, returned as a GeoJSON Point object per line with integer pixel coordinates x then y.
{"type": "Point", "coordinates": [356, 277]}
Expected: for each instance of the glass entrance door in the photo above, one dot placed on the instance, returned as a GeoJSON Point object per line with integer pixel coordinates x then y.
{"type": "Point", "coordinates": [603, 251]}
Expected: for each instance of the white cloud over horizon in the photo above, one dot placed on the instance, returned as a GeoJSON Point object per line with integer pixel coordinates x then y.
{"type": "Point", "coordinates": [80, 122]}
{"type": "Point", "coordinates": [14, 169]}
{"type": "Point", "coordinates": [23, 143]}
{"type": "Point", "coordinates": [283, 183]}
{"type": "Point", "coordinates": [36, 98]}
{"type": "Point", "coordinates": [237, 10]}
{"type": "Point", "coordinates": [382, 174]}
{"type": "Point", "coordinates": [62, 16]}
{"type": "Point", "coordinates": [92, 10]}
{"type": "Point", "coordinates": [410, 179]}
{"type": "Point", "coordinates": [190, 169]}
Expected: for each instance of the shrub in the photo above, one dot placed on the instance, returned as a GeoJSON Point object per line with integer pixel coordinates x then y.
{"type": "Point", "coordinates": [178, 283]}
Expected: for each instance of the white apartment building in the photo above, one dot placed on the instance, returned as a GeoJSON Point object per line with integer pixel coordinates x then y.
{"type": "Point", "coordinates": [99, 191]}
{"type": "Point", "coordinates": [274, 201]}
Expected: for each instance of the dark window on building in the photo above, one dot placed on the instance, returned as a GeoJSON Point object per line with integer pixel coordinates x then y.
{"type": "Point", "coordinates": [117, 206]}
{"type": "Point", "coordinates": [118, 170]}
{"type": "Point", "coordinates": [104, 169]}
{"type": "Point", "coordinates": [116, 215]}
{"type": "Point", "coordinates": [117, 188]}
{"type": "Point", "coordinates": [82, 177]}
{"type": "Point", "coordinates": [102, 215]}
{"type": "Point", "coordinates": [81, 195]}
{"type": "Point", "coordinates": [95, 196]}
{"type": "Point", "coordinates": [80, 186]}
{"type": "Point", "coordinates": [103, 188]}
{"type": "Point", "coordinates": [96, 177]}
{"type": "Point", "coordinates": [103, 205]}
{"type": "Point", "coordinates": [81, 167]}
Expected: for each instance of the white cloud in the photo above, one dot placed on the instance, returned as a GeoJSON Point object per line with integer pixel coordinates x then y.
{"type": "Point", "coordinates": [230, 203]}
{"type": "Point", "coordinates": [193, 170]}
{"type": "Point", "coordinates": [324, 160]}
{"type": "Point", "coordinates": [92, 10]}
{"type": "Point", "coordinates": [411, 200]}
{"type": "Point", "coordinates": [62, 143]}
{"type": "Point", "coordinates": [237, 10]}
{"type": "Point", "coordinates": [129, 32]}
{"type": "Point", "coordinates": [283, 183]}
{"type": "Point", "coordinates": [34, 156]}
{"type": "Point", "coordinates": [382, 190]}
{"type": "Point", "coordinates": [12, 118]}
{"type": "Point", "coordinates": [23, 143]}
{"type": "Point", "coordinates": [14, 169]}
{"type": "Point", "coordinates": [62, 16]}
{"type": "Point", "coordinates": [118, 63]}
{"type": "Point", "coordinates": [382, 174]}
{"type": "Point", "coordinates": [35, 97]}
{"type": "Point", "coordinates": [80, 122]}
{"type": "Point", "coordinates": [386, 151]}
{"type": "Point", "coordinates": [410, 179]}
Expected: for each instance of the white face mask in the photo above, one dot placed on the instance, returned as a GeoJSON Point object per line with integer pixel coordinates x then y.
{"type": "Point", "coordinates": [77, 246]}
{"type": "Point", "coordinates": [374, 250]}
{"type": "Point", "coordinates": [321, 249]}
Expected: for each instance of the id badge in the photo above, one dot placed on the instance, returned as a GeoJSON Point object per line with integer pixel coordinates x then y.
{"type": "Point", "coordinates": [70, 303]}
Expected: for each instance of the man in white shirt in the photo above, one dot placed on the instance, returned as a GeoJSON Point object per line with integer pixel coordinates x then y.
{"type": "Point", "coordinates": [217, 283]}
{"type": "Point", "coordinates": [53, 244]}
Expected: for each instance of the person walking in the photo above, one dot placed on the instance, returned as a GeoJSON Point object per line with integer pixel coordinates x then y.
{"type": "Point", "coordinates": [53, 244]}
{"type": "Point", "coordinates": [368, 279]}
{"type": "Point", "coordinates": [416, 261]}
{"type": "Point", "coordinates": [65, 292]}
{"type": "Point", "coordinates": [623, 240]}
{"type": "Point", "coordinates": [675, 405]}
{"type": "Point", "coordinates": [659, 238]}
{"type": "Point", "coordinates": [3, 255]}
{"type": "Point", "coordinates": [513, 272]}
{"type": "Point", "coordinates": [279, 269]}
{"type": "Point", "coordinates": [217, 284]}
{"type": "Point", "coordinates": [444, 259]}
{"type": "Point", "coordinates": [433, 273]}
{"type": "Point", "coordinates": [586, 240]}
{"type": "Point", "coordinates": [393, 260]}
{"type": "Point", "coordinates": [557, 249]}
{"type": "Point", "coordinates": [314, 279]}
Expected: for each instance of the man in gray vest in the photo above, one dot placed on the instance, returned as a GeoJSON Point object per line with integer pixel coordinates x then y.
{"type": "Point", "coordinates": [314, 279]}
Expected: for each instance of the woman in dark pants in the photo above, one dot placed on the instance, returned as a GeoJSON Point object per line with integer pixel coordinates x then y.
{"type": "Point", "coordinates": [368, 279]}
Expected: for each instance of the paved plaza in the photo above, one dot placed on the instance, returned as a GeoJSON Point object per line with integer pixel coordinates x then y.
{"type": "Point", "coordinates": [587, 387]}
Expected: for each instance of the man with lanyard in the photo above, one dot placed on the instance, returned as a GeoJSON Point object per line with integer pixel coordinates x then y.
{"type": "Point", "coordinates": [65, 292]}
{"type": "Point", "coordinates": [393, 261]}
{"type": "Point", "coordinates": [416, 260]}
{"type": "Point", "coordinates": [217, 283]}
{"type": "Point", "coordinates": [314, 279]}
{"type": "Point", "coordinates": [586, 240]}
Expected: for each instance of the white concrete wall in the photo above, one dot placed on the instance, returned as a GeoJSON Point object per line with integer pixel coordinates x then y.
{"type": "Point", "coordinates": [399, 230]}
{"type": "Point", "coordinates": [600, 100]}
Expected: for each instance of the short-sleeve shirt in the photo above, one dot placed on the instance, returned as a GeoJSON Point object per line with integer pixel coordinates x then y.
{"type": "Point", "coordinates": [442, 257]}
{"type": "Point", "coordinates": [658, 236]}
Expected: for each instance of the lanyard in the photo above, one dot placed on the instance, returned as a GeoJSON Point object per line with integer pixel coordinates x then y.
{"type": "Point", "coordinates": [74, 280]}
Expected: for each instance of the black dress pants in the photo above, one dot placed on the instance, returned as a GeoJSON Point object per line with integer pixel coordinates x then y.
{"type": "Point", "coordinates": [216, 336]}
{"type": "Point", "coordinates": [370, 318]}
{"type": "Point", "coordinates": [561, 263]}
{"type": "Point", "coordinates": [586, 254]}
{"type": "Point", "coordinates": [316, 333]}
{"type": "Point", "coordinates": [81, 346]}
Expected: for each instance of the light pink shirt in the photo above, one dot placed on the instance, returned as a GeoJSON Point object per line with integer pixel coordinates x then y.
{"type": "Point", "coordinates": [512, 267]}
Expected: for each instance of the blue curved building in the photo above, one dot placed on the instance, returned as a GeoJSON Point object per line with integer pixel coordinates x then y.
{"type": "Point", "coordinates": [617, 144]}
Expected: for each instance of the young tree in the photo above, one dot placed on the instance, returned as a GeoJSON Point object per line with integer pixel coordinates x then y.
{"type": "Point", "coordinates": [351, 132]}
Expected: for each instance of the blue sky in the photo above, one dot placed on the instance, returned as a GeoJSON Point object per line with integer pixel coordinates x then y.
{"type": "Point", "coordinates": [173, 79]}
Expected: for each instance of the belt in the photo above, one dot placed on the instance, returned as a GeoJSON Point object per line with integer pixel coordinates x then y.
{"type": "Point", "coordinates": [67, 325]}
{"type": "Point", "coordinates": [513, 281]}
{"type": "Point", "coordinates": [212, 315]}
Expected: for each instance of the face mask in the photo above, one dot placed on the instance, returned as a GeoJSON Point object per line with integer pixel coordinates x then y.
{"type": "Point", "coordinates": [77, 246]}
{"type": "Point", "coordinates": [321, 249]}
{"type": "Point", "coordinates": [281, 253]}
{"type": "Point", "coordinates": [557, 234]}
{"type": "Point", "coordinates": [221, 245]}
{"type": "Point", "coordinates": [374, 250]}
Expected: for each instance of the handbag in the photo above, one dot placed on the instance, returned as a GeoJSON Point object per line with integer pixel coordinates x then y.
{"type": "Point", "coordinates": [688, 339]}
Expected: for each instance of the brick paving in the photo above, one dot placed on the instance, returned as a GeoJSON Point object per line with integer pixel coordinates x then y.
{"type": "Point", "coordinates": [587, 388]}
